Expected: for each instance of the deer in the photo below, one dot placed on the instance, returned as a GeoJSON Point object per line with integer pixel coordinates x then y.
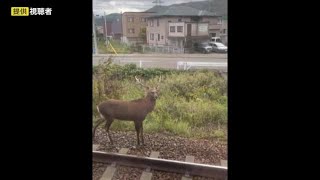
{"type": "Point", "coordinates": [134, 110]}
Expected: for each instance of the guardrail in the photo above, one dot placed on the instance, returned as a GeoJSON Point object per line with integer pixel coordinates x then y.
{"type": "Point", "coordinates": [188, 65]}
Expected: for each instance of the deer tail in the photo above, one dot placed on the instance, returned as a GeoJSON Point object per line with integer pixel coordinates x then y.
{"type": "Point", "coordinates": [98, 109]}
{"type": "Point", "coordinates": [100, 113]}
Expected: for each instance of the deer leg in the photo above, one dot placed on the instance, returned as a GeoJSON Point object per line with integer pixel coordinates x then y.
{"type": "Point", "coordinates": [141, 131]}
{"type": "Point", "coordinates": [107, 127]}
{"type": "Point", "coordinates": [95, 127]}
{"type": "Point", "coordinates": [137, 126]}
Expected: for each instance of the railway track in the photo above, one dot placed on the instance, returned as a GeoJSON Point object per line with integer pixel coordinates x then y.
{"type": "Point", "coordinates": [147, 168]}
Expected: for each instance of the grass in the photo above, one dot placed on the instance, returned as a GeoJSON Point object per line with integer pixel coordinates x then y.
{"type": "Point", "coordinates": [191, 104]}
{"type": "Point", "coordinates": [120, 48]}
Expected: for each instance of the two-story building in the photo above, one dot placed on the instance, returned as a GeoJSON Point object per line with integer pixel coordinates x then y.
{"type": "Point", "coordinates": [133, 24]}
{"type": "Point", "coordinates": [224, 32]}
{"type": "Point", "coordinates": [181, 26]}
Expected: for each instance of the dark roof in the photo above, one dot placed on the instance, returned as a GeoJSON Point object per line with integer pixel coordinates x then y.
{"type": "Point", "coordinates": [157, 9]}
{"type": "Point", "coordinates": [99, 20]}
{"type": "Point", "coordinates": [137, 12]}
{"type": "Point", "coordinates": [183, 11]}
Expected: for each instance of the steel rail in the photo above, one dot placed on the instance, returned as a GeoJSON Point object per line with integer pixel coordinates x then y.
{"type": "Point", "coordinates": [193, 169]}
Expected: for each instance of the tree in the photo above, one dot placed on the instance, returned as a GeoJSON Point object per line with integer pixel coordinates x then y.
{"type": "Point", "coordinates": [143, 35]}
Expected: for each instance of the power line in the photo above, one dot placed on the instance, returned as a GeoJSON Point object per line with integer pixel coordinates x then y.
{"type": "Point", "coordinates": [157, 2]}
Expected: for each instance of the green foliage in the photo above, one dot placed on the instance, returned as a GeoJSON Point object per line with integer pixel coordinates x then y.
{"type": "Point", "coordinates": [143, 34]}
{"type": "Point", "coordinates": [121, 48]}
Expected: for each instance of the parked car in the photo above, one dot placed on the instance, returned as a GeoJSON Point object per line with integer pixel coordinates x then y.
{"type": "Point", "coordinates": [203, 47]}
{"type": "Point", "coordinates": [216, 39]}
{"type": "Point", "coordinates": [218, 47]}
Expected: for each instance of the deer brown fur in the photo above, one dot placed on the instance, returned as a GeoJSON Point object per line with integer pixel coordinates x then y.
{"type": "Point", "coordinates": [135, 110]}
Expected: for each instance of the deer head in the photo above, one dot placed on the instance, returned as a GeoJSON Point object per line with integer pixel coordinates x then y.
{"type": "Point", "coordinates": [152, 92]}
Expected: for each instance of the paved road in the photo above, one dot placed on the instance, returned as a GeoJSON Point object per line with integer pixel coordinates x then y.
{"type": "Point", "coordinates": [163, 60]}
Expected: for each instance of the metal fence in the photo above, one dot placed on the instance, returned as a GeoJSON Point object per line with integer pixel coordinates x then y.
{"type": "Point", "coordinates": [162, 49]}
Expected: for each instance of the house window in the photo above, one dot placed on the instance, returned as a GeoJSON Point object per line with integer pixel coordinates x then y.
{"type": "Point", "coordinates": [179, 28]}
{"type": "Point", "coordinates": [219, 21]}
{"type": "Point", "coordinates": [151, 23]}
{"type": "Point", "coordinates": [158, 22]}
{"type": "Point", "coordinates": [158, 37]}
{"type": "Point", "coordinates": [172, 29]}
{"type": "Point", "coordinates": [179, 20]}
{"type": "Point", "coordinates": [195, 19]}
{"type": "Point", "coordinates": [169, 21]}
{"type": "Point", "coordinates": [130, 19]}
{"type": "Point", "coordinates": [143, 19]}
{"type": "Point", "coordinates": [131, 31]}
{"type": "Point", "coordinates": [213, 34]}
{"type": "Point", "coordinates": [224, 31]}
{"type": "Point", "coordinates": [161, 37]}
{"type": "Point", "coordinates": [151, 36]}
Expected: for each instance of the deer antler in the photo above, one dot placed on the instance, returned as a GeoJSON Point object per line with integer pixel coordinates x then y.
{"type": "Point", "coordinates": [140, 82]}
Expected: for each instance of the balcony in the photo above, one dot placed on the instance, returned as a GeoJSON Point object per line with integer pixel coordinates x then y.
{"type": "Point", "coordinates": [215, 26]}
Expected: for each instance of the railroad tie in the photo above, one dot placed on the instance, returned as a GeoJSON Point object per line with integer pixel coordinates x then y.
{"type": "Point", "coordinates": [95, 147]}
{"type": "Point", "coordinates": [186, 175]}
{"type": "Point", "coordinates": [147, 175]}
{"type": "Point", "coordinates": [224, 163]}
{"type": "Point", "coordinates": [123, 151]}
{"type": "Point", "coordinates": [109, 172]}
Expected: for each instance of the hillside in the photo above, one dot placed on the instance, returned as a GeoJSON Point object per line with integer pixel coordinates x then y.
{"type": "Point", "coordinates": [220, 7]}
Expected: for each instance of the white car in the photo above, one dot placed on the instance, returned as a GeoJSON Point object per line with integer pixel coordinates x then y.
{"type": "Point", "coordinates": [216, 39]}
{"type": "Point", "coordinates": [218, 47]}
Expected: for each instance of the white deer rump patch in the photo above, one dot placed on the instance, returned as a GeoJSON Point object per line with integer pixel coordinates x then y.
{"type": "Point", "coordinates": [100, 113]}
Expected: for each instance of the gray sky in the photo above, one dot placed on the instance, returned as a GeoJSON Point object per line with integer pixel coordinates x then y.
{"type": "Point", "coordinates": [116, 6]}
